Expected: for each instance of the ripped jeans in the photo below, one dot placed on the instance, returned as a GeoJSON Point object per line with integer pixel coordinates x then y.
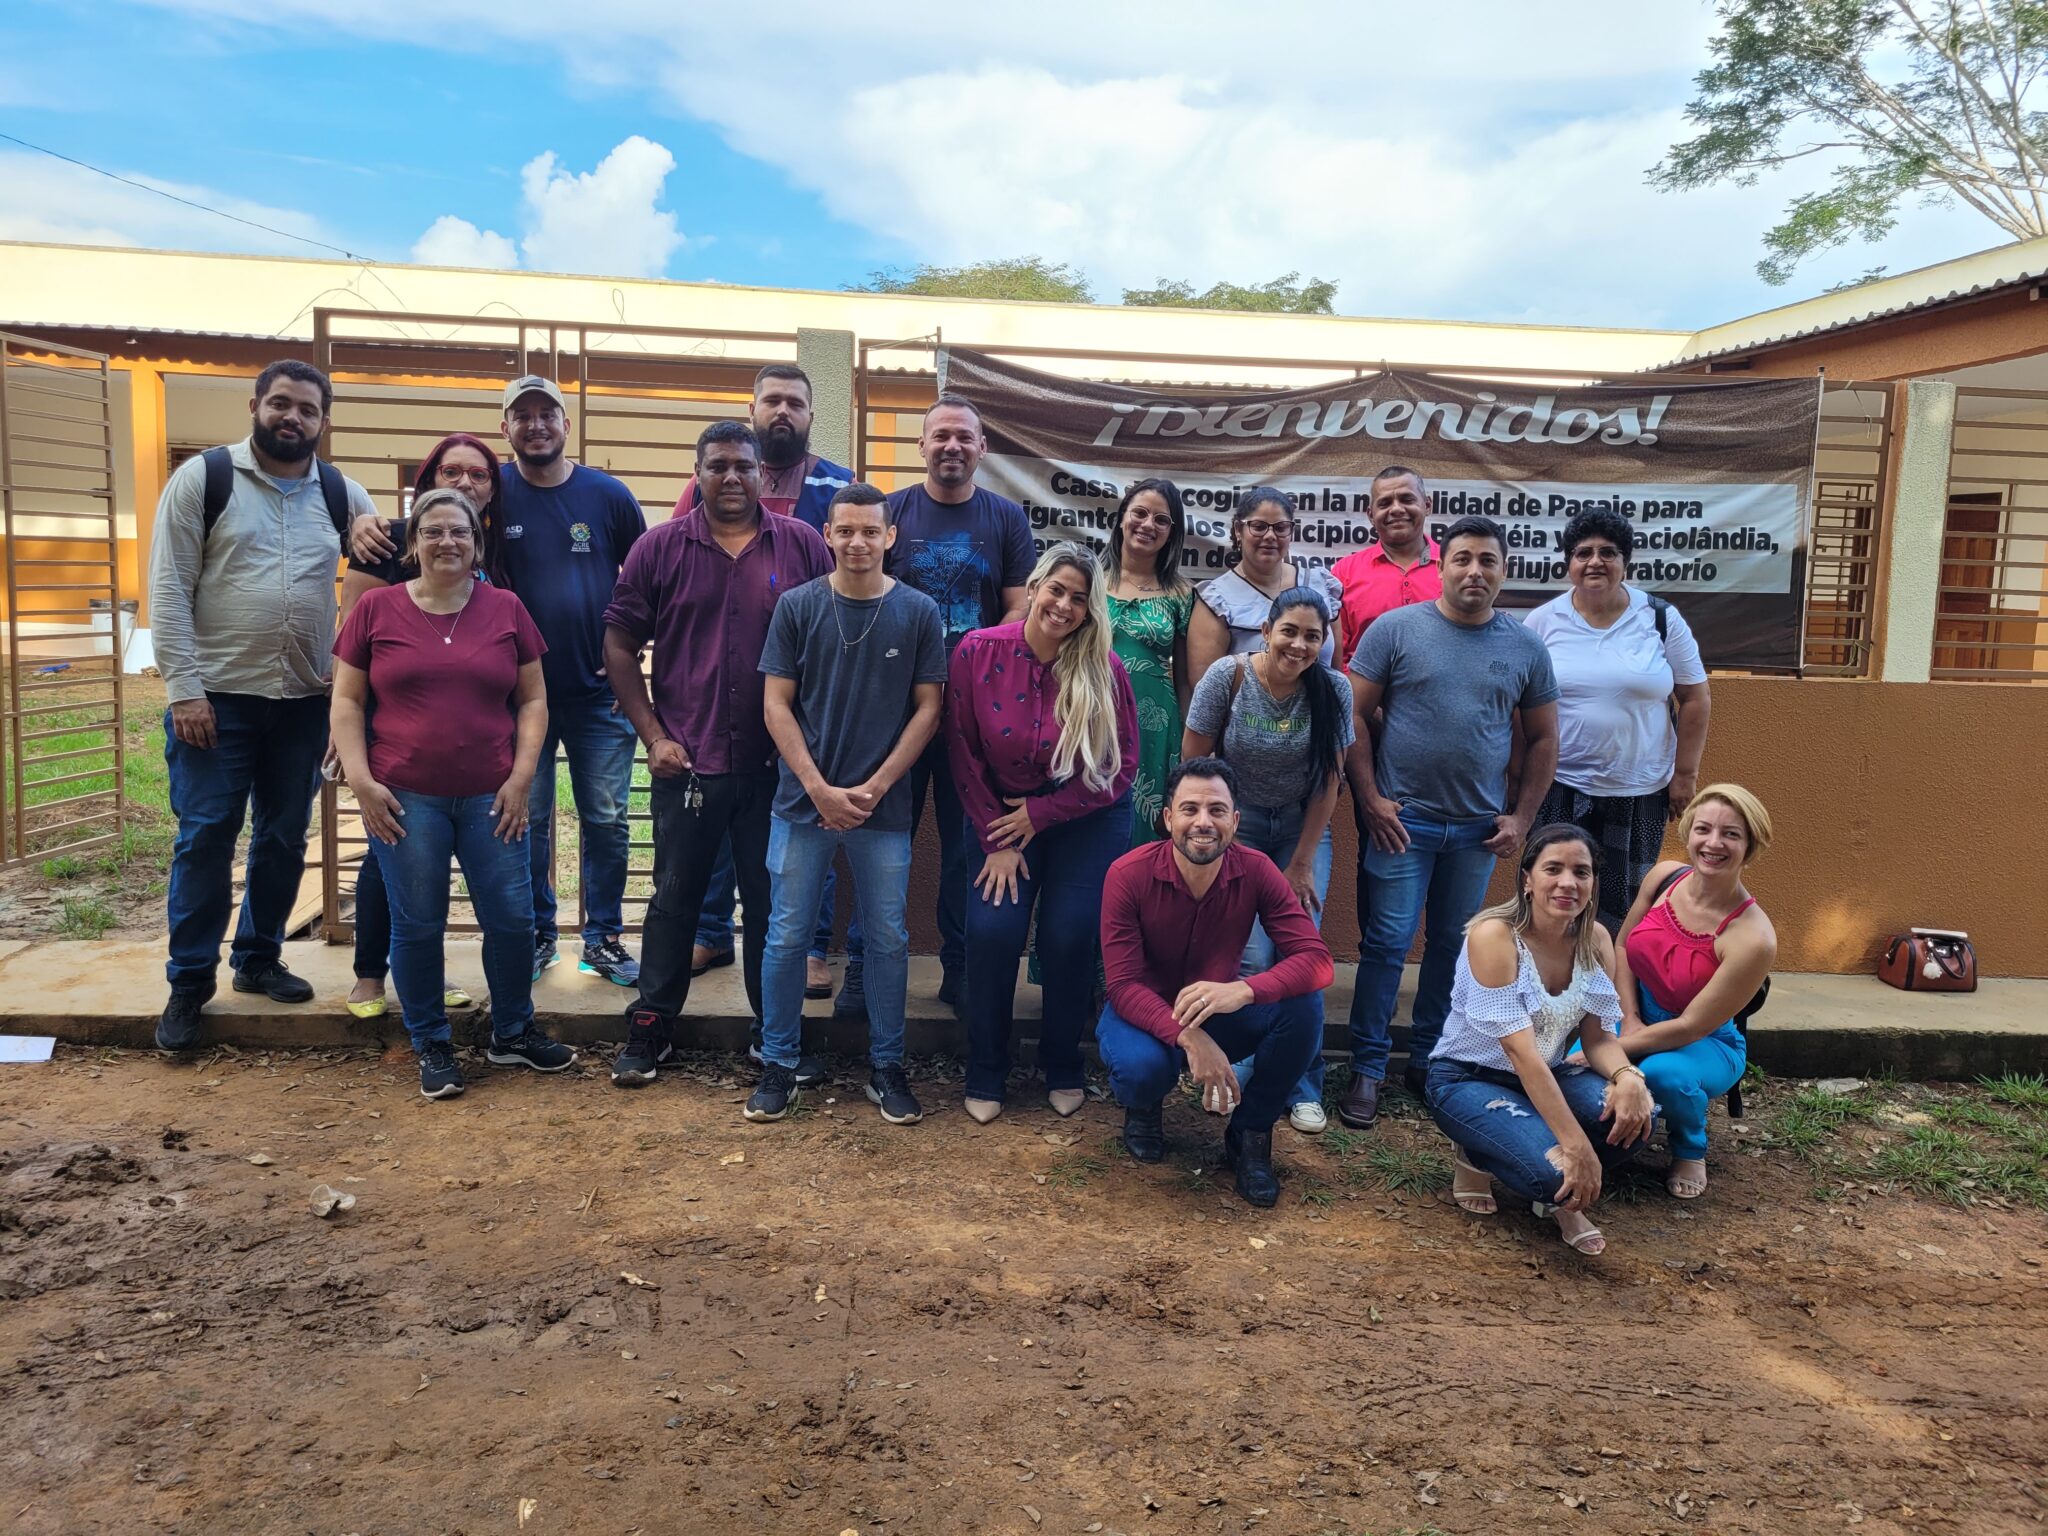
{"type": "Point", "coordinates": [1488, 1114]}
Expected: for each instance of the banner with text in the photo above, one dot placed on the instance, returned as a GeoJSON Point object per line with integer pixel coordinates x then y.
{"type": "Point", "coordinates": [1716, 478]}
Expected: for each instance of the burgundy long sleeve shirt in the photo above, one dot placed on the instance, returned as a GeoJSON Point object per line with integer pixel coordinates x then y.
{"type": "Point", "coordinates": [1001, 732]}
{"type": "Point", "coordinates": [1157, 936]}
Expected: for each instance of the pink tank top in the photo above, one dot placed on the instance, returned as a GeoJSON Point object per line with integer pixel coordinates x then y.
{"type": "Point", "coordinates": [1672, 961]}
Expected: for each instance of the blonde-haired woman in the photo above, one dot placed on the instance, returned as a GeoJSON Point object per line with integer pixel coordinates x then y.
{"type": "Point", "coordinates": [1695, 951]}
{"type": "Point", "coordinates": [1042, 729]}
{"type": "Point", "coordinates": [1531, 981]}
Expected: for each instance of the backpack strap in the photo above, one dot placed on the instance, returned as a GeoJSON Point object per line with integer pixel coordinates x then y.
{"type": "Point", "coordinates": [1236, 682]}
{"type": "Point", "coordinates": [335, 489]}
{"type": "Point", "coordinates": [1660, 614]}
{"type": "Point", "coordinates": [220, 485]}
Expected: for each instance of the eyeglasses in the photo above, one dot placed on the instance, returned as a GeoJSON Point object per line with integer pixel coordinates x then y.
{"type": "Point", "coordinates": [1268, 530]}
{"type": "Point", "coordinates": [456, 534]}
{"type": "Point", "coordinates": [450, 474]}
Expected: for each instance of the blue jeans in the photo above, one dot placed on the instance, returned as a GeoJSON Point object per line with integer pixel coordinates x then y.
{"type": "Point", "coordinates": [1064, 869]}
{"type": "Point", "coordinates": [599, 744]}
{"type": "Point", "coordinates": [415, 871]}
{"type": "Point", "coordinates": [800, 866]}
{"type": "Point", "coordinates": [1274, 833]}
{"type": "Point", "coordinates": [265, 764]}
{"type": "Point", "coordinates": [1489, 1115]}
{"type": "Point", "coordinates": [959, 859]}
{"type": "Point", "coordinates": [1685, 1082]}
{"type": "Point", "coordinates": [1279, 1038]}
{"type": "Point", "coordinates": [1441, 875]}
{"type": "Point", "coordinates": [714, 923]}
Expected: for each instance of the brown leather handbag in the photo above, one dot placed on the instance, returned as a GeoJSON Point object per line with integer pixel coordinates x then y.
{"type": "Point", "coordinates": [1930, 960]}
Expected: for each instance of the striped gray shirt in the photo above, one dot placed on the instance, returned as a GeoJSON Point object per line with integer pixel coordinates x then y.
{"type": "Point", "coordinates": [251, 609]}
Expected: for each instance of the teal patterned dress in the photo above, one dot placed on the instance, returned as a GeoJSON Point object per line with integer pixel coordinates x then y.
{"type": "Point", "coordinates": [1145, 631]}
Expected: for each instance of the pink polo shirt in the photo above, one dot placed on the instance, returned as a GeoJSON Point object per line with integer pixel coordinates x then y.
{"type": "Point", "coordinates": [1374, 585]}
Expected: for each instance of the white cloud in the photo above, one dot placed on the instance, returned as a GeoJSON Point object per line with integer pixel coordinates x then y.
{"type": "Point", "coordinates": [453, 242]}
{"type": "Point", "coordinates": [604, 221]}
{"type": "Point", "coordinates": [46, 199]}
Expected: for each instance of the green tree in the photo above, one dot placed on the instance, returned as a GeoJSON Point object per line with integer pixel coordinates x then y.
{"type": "Point", "coordinates": [1283, 295]}
{"type": "Point", "coordinates": [1019, 277]}
{"type": "Point", "coordinates": [1956, 116]}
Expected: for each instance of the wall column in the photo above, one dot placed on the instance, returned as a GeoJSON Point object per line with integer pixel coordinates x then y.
{"type": "Point", "coordinates": [1919, 515]}
{"type": "Point", "coordinates": [149, 441]}
{"type": "Point", "coordinates": [827, 356]}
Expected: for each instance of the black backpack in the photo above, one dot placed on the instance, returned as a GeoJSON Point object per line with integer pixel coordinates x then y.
{"type": "Point", "coordinates": [220, 484]}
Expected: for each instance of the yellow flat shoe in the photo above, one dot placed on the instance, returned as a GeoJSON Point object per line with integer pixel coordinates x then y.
{"type": "Point", "coordinates": [373, 1009]}
{"type": "Point", "coordinates": [456, 998]}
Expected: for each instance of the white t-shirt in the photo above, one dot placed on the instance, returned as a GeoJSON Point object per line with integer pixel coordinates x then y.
{"type": "Point", "coordinates": [1614, 731]}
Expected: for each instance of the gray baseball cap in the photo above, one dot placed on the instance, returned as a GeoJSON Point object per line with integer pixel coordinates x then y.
{"type": "Point", "coordinates": [534, 384]}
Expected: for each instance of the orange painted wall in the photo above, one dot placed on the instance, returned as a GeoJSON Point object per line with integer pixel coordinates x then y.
{"type": "Point", "coordinates": [1894, 804]}
{"type": "Point", "coordinates": [51, 549]}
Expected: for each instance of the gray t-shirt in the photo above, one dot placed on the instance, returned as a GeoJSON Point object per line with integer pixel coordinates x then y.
{"type": "Point", "coordinates": [855, 664]}
{"type": "Point", "coordinates": [1267, 740]}
{"type": "Point", "coordinates": [1451, 693]}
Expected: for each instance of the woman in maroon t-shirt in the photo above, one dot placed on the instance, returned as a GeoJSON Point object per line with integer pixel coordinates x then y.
{"type": "Point", "coordinates": [439, 711]}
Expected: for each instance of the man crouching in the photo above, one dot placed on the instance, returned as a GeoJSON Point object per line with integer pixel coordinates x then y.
{"type": "Point", "coordinates": [1175, 917]}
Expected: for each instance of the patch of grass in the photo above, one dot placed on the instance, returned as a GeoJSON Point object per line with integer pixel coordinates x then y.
{"type": "Point", "coordinates": [64, 867]}
{"type": "Point", "coordinates": [1403, 1170]}
{"type": "Point", "coordinates": [1809, 1120]}
{"type": "Point", "coordinates": [86, 917]}
{"type": "Point", "coordinates": [1931, 1160]}
{"type": "Point", "coordinates": [2019, 1090]}
{"type": "Point", "coordinates": [1341, 1143]}
{"type": "Point", "coordinates": [1975, 1112]}
{"type": "Point", "coordinates": [1319, 1195]}
{"type": "Point", "coordinates": [1074, 1170]}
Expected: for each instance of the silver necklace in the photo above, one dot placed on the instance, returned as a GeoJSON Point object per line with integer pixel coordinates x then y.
{"type": "Point", "coordinates": [449, 638]}
{"type": "Point", "coordinates": [846, 644]}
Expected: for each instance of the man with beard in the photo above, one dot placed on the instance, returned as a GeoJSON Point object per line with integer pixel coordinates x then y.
{"type": "Point", "coordinates": [970, 551]}
{"type": "Point", "coordinates": [1431, 786]}
{"type": "Point", "coordinates": [241, 600]}
{"type": "Point", "coordinates": [794, 483]}
{"type": "Point", "coordinates": [1175, 917]}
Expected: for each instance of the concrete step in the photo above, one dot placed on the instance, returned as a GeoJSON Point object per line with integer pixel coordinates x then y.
{"type": "Point", "coordinates": [109, 992]}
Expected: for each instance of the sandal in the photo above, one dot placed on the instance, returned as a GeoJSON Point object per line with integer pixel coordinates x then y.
{"type": "Point", "coordinates": [1474, 1202]}
{"type": "Point", "coordinates": [1687, 1187]}
{"type": "Point", "coordinates": [1589, 1241]}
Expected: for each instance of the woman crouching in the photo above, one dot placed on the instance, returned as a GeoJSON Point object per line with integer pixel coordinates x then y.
{"type": "Point", "coordinates": [1532, 980]}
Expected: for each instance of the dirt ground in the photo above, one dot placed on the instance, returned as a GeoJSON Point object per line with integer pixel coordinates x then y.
{"type": "Point", "coordinates": [558, 1307]}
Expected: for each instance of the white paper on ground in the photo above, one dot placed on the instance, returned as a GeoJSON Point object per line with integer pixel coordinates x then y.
{"type": "Point", "coordinates": [26, 1047]}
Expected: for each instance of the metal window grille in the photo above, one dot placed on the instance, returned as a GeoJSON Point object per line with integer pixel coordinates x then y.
{"type": "Point", "coordinates": [1988, 614]}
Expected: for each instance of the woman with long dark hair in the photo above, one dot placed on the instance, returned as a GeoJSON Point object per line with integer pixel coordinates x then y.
{"type": "Point", "coordinates": [1150, 603]}
{"type": "Point", "coordinates": [1230, 618]}
{"type": "Point", "coordinates": [1281, 718]}
{"type": "Point", "coordinates": [1532, 980]}
{"type": "Point", "coordinates": [459, 462]}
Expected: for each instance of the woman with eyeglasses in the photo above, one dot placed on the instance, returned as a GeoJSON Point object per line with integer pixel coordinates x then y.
{"type": "Point", "coordinates": [1150, 604]}
{"type": "Point", "coordinates": [1230, 620]}
{"type": "Point", "coordinates": [459, 462]}
{"type": "Point", "coordinates": [1632, 707]}
{"type": "Point", "coordinates": [438, 715]}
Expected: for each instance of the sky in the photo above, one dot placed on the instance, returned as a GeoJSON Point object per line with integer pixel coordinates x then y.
{"type": "Point", "coordinates": [1481, 160]}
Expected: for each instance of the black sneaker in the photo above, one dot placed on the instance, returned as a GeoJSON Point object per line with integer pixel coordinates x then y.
{"type": "Point", "coordinates": [647, 1046]}
{"type": "Point", "coordinates": [608, 958]}
{"type": "Point", "coordinates": [532, 1049]}
{"type": "Point", "coordinates": [275, 982]}
{"type": "Point", "coordinates": [777, 1091]}
{"type": "Point", "coordinates": [889, 1087]}
{"type": "Point", "coordinates": [180, 1028]}
{"type": "Point", "coordinates": [544, 954]}
{"type": "Point", "coordinates": [440, 1078]}
{"type": "Point", "coordinates": [810, 1067]}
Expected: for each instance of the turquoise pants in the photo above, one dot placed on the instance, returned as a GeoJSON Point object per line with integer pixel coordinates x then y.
{"type": "Point", "coordinates": [1686, 1081]}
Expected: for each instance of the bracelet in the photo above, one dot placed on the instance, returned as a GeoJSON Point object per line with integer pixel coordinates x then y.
{"type": "Point", "coordinates": [1620, 1072]}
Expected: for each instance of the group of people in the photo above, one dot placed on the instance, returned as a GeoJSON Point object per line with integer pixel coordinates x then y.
{"type": "Point", "coordinates": [1132, 777]}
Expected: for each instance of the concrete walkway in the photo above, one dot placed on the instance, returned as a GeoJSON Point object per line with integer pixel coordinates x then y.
{"type": "Point", "coordinates": [109, 992]}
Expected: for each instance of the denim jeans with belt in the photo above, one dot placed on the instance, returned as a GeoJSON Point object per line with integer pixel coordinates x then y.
{"type": "Point", "coordinates": [1279, 1037]}
{"type": "Point", "coordinates": [264, 764]}
{"type": "Point", "coordinates": [415, 871]}
{"type": "Point", "coordinates": [1275, 833]}
{"type": "Point", "coordinates": [599, 743]}
{"type": "Point", "coordinates": [799, 866]}
{"type": "Point", "coordinates": [1436, 883]}
{"type": "Point", "coordinates": [1489, 1114]}
{"type": "Point", "coordinates": [1064, 869]}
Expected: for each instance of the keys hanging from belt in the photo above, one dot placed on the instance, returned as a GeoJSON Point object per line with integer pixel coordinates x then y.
{"type": "Point", "coordinates": [693, 793]}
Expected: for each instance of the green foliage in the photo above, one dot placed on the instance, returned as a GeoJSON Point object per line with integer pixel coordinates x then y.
{"type": "Point", "coordinates": [1919, 98]}
{"type": "Point", "coordinates": [64, 867]}
{"type": "Point", "coordinates": [1810, 1119]}
{"type": "Point", "coordinates": [1018, 277]}
{"type": "Point", "coordinates": [1286, 295]}
{"type": "Point", "coordinates": [86, 918]}
{"type": "Point", "coordinates": [2024, 1090]}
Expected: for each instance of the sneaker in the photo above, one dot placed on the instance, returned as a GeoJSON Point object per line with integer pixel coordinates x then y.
{"type": "Point", "coordinates": [647, 1046]}
{"type": "Point", "coordinates": [454, 999]}
{"type": "Point", "coordinates": [777, 1091]}
{"type": "Point", "coordinates": [810, 1067]}
{"type": "Point", "coordinates": [532, 1049]}
{"type": "Point", "coordinates": [544, 955]}
{"type": "Point", "coordinates": [889, 1088]}
{"type": "Point", "coordinates": [1308, 1118]}
{"type": "Point", "coordinates": [608, 958]}
{"type": "Point", "coordinates": [275, 981]}
{"type": "Point", "coordinates": [852, 1001]}
{"type": "Point", "coordinates": [440, 1078]}
{"type": "Point", "coordinates": [180, 1028]}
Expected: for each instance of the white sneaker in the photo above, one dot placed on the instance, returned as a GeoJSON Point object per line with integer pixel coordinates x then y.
{"type": "Point", "coordinates": [1308, 1118]}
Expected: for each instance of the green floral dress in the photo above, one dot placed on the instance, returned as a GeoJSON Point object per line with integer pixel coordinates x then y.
{"type": "Point", "coordinates": [1146, 630]}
